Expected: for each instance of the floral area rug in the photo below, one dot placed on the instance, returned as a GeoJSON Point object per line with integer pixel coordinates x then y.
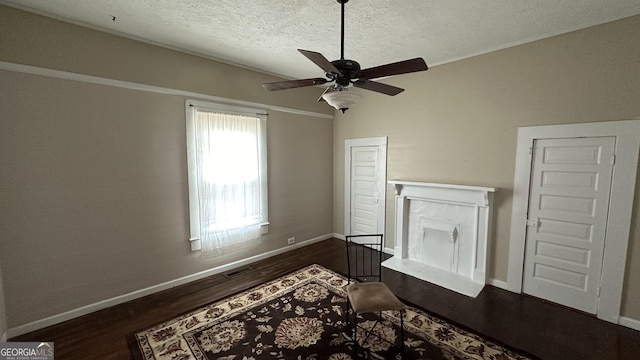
{"type": "Point", "coordinates": [301, 316]}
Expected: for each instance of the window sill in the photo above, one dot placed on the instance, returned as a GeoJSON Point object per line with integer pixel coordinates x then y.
{"type": "Point", "coordinates": [196, 244]}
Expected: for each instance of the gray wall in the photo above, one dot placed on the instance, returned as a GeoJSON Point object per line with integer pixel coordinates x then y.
{"type": "Point", "coordinates": [93, 199]}
{"type": "Point", "coordinates": [457, 123]}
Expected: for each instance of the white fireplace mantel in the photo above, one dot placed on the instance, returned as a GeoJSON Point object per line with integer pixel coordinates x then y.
{"type": "Point", "coordinates": [442, 231]}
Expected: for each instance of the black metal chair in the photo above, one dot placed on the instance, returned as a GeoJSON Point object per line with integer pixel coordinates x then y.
{"type": "Point", "coordinates": [367, 293]}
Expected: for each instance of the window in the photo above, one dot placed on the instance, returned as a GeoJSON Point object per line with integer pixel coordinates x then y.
{"type": "Point", "coordinates": [226, 150]}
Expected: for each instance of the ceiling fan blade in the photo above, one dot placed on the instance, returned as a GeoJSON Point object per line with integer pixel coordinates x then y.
{"type": "Point", "coordinates": [291, 84]}
{"type": "Point", "coordinates": [400, 67]}
{"type": "Point", "coordinates": [378, 87]}
{"type": "Point", "coordinates": [321, 61]}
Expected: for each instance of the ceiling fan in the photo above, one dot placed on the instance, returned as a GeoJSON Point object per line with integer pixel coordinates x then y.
{"type": "Point", "coordinates": [346, 72]}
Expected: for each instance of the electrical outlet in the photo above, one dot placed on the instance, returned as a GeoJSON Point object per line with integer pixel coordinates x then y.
{"type": "Point", "coordinates": [291, 240]}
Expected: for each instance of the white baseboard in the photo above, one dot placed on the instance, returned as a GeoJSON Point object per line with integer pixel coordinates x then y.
{"type": "Point", "coordinates": [71, 314]}
{"type": "Point", "coordinates": [629, 322]}
{"type": "Point", "coordinates": [497, 283]}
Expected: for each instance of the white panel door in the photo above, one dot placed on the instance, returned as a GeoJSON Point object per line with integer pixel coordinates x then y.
{"type": "Point", "coordinates": [365, 190]}
{"type": "Point", "coordinates": [567, 217]}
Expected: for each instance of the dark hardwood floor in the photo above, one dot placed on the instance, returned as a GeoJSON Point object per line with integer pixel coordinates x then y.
{"type": "Point", "coordinates": [539, 328]}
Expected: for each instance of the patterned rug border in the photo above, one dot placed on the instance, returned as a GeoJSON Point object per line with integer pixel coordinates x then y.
{"type": "Point", "coordinates": [137, 352]}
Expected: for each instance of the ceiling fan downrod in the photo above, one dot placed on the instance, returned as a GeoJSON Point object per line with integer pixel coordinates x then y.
{"type": "Point", "coordinates": [342, 2]}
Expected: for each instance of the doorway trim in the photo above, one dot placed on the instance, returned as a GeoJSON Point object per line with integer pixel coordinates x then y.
{"type": "Point", "coordinates": [348, 144]}
{"type": "Point", "coordinates": [627, 133]}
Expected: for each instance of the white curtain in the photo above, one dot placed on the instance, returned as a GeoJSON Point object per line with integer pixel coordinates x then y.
{"type": "Point", "coordinates": [228, 180]}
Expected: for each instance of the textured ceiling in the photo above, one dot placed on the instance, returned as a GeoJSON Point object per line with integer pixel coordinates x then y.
{"type": "Point", "coordinates": [264, 34]}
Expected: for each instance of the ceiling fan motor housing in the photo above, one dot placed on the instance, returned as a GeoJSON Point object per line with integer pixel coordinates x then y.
{"type": "Point", "coordinates": [349, 70]}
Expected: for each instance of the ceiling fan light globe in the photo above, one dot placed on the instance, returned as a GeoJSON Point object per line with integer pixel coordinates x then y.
{"type": "Point", "coordinates": [342, 100]}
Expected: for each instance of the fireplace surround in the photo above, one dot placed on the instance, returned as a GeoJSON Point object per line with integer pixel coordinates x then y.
{"type": "Point", "coordinates": [442, 231]}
